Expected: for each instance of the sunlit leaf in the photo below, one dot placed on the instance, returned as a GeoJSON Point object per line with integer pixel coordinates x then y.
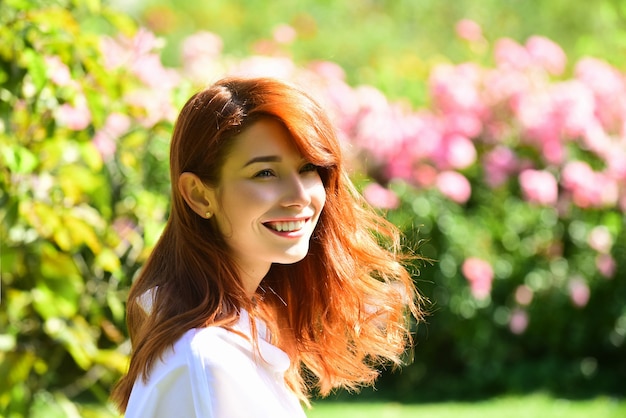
{"type": "Point", "coordinates": [19, 159]}
{"type": "Point", "coordinates": [36, 68]}
{"type": "Point", "coordinates": [108, 260]}
{"type": "Point", "coordinates": [77, 336]}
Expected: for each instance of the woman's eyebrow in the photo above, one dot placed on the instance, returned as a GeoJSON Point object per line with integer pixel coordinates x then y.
{"type": "Point", "coordinates": [264, 159]}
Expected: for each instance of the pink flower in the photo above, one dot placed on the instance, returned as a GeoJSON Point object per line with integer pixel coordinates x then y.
{"type": "Point", "coordinates": [454, 186]}
{"type": "Point", "coordinates": [609, 89]}
{"type": "Point", "coordinates": [589, 188]}
{"type": "Point", "coordinates": [499, 164]}
{"type": "Point", "coordinates": [600, 239]}
{"type": "Point", "coordinates": [579, 292]}
{"type": "Point", "coordinates": [380, 197]}
{"type": "Point", "coordinates": [480, 275]}
{"type": "Point", "coordinates": [463, 123]}
{"type": "Point", "coordinates": [200, 45]}
{"type": "Point", "coordinates": [518, 321]}
{"type": "Point", "coordinates": [539, 186]}
{"type": "Point", "coordinates": [150, 70]}
{"type": "Point", "coordinates": [58, 72]}
{"type": "Point", "coordinates": [573, 107]}
{"type": "Point", "coordinates": [105, 139]}
{"type": "Point", "coordinates": [200, 56]}
{"type": "Point", "coordinates": [328, 70]}
{"type": "Point", "coordinates": [156, 105]}
{"type": "Point", "coordinates": [547, 54]}
{"type": "Point", "coordinates": [510, 54]}
{"type": "Point", "coordinates": [456, 88]}
{"type": "Point", "coordinates": [425, 175]}
{"type": "Point", "coordinates": [606, 265]}
{"type": "Point", "coordinates": [124, 50]}
{"type": "Point", "coordinates": [284, 34]}
{"type": "Point", "coordinates": [76, 117]}
{"type": "Point", "coordinates": [523, 295]}
{"type": "Point", "coordinates": [380, 132]}
{"type": "Point", "coordinates": [461, 152]}
{"type": "Point", "coordinates": [469, 30]}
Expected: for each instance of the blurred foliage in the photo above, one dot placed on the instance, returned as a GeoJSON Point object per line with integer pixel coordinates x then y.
{"type": "Point", "coordinates": [69, 245]}
{"type": "Point", "coordinates": [86, 110]}
{"type": "Point", "coordinates": [388, 44]}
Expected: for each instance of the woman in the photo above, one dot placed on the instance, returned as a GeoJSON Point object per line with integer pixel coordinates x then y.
{"type": "Point", "coordinates": [272, 276]}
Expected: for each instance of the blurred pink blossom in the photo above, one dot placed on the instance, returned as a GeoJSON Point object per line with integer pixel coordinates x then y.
{"type": "Point", "coordinates": [380, 133]}
{"type": "Point", "coordinates": [454, 186]}
{"type": "Point", "coordinates": [479, 273]}
{"type": "Point", "coordinates": [615, 158]}
{"type": "Point", "coordinates": [155, 105]}
{"type": "Point", "coordinates": [600, 239]}
{"type": "Point", "coordinates": [105, 138]}
{"type": "Point", "coordinates": [546, 54]}
{"type": "Point", "coordinates": [58, 72]}
{"type": "Point", "coordinates": [509, 53]}
{"type": "Point", "coordinates": [579, 292]}
{"type": "Point", "coordinates": [121, 51]}
{"type": "Point", "coordinates": [151, 72]}
{"type": "Point", "coordinates": [457, 88]}
{"type": "Point", "coordinates": [425, 175]}
{"type": "Point", "coordinates": [499, 164]}
{"type": "Point", "coordinates": [609, 88]}
{"type": "Point", "coordinates": [76, 118]}
{"type": "Point", "coordinates": [535, 111]}
{"type": "Point", "coordinates": [202, 44]}
{"type": "Point", "coordinates": [462, 123]}
{"type": "Point", "coordinates": [539, 186]}
{"type": "Point", "coordinates": [572, 108]}
{"type": "Point", "coordinates": [580, 179]}
{"type": "Point", "coordinates": [503, 85]}
{"type": "Point", "coordinates": [518, 321]}
{"type": "Point", "coordinates": [460, 151]}
{"type": "Point", "coordinates": [200, 56]}
{"type": "Point", "coordinates": [380, 197]}
{"type": "Point", "coordinates": [606, 265]}
{"type": "Point", "coordinates": [590, 189]}
{"type": "Point", "coordinates": [523, 295]}
{"type": "Point", "coordinates": [469, 30]}
{"type": "Point", "coordinates": [284, 34]}
{"type": "Point", "coordinates": [424, 139]}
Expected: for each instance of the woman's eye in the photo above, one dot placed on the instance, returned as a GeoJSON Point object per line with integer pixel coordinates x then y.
{"type": "Point", "coordinates": [264, 173]}
{"type": "Point", "coordinates": [308, 168]}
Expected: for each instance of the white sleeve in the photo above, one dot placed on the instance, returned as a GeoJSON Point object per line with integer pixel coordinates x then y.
{"type": "Point", "coordinates": [170, 397]}
{"type": "Point", "coordinates": [172, 389]}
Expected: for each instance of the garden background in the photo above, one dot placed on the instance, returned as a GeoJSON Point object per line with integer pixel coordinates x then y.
{"type": "Point", "coordinates": [494, 135]}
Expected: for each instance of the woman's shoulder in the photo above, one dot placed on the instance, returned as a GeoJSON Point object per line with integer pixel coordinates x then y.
{"type": "Point", "coordinates": [211, 344]}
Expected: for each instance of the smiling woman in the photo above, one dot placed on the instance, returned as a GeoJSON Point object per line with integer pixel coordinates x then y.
{"type": "Point", "coordinates": [272, 276]}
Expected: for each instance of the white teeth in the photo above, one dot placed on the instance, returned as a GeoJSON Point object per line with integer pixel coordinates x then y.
{"type": "Point", "coordinates": [287, 226]}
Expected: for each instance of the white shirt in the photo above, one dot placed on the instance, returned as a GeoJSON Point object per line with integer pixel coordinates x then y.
{"type": "Point", "coordinates": [214, 373]}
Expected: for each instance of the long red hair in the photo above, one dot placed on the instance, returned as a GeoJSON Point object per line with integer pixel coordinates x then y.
{"type": "Point", "coordinates": [338, 313]}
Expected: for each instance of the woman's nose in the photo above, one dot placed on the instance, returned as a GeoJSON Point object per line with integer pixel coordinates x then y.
{"type": "Point", "coordinates": [296, 191]}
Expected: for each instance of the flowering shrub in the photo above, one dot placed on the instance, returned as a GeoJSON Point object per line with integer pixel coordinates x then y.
{"type": "Point", "coordinates": [512, 181]}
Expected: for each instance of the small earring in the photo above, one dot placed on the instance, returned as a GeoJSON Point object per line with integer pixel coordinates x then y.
{"type": "Point", "coordinates": [208, 214]}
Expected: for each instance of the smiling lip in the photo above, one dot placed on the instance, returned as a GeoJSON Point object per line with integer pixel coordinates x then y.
{"type": "Point", "coordinates": [287, 227]}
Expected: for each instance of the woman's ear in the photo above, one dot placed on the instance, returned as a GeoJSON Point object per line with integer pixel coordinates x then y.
{"type": "Point", "coordinates": [196, 194]}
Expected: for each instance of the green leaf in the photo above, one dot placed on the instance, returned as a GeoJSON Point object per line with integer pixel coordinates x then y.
{"type": "Point", "coordinates": [107, 260]}
{"type": "Point", "coordinates": [36, 68]}
{"type": "Point", "coordinates": [18, 159]}
{"type": "Point", "coordinates": [77, 337]}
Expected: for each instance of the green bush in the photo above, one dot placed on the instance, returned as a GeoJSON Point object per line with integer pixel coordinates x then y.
{"type": "Point", "coordinates": [83, 186]}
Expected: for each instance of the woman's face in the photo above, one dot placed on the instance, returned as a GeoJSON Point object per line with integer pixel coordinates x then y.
{"type": "Point", "coordinates": [269, 198]}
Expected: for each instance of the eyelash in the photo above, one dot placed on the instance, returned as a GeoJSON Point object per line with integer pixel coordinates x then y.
{"type": "Point", "coordinates": [307, 168]}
